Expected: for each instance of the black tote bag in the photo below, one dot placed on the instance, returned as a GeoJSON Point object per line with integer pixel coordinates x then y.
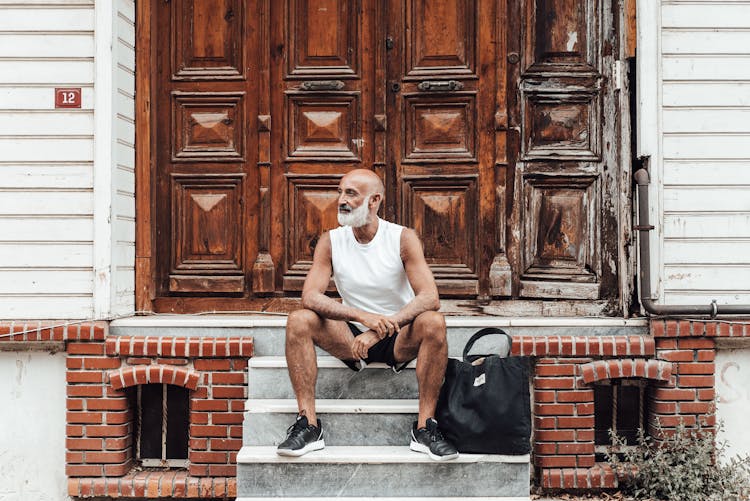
{"type": "Point", "coordinates": [485, 408]}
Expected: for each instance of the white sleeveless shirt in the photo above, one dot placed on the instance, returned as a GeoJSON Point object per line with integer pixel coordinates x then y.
{"type": "Point", "coordinates": [371, 276]}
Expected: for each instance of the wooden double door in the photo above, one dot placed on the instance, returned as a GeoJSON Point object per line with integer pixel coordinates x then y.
{"type": "Point", "coordinates": [493, 123]}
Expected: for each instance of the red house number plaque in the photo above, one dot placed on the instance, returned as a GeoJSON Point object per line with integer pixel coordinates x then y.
{"type": "Point", "coordinates": [68, 97]}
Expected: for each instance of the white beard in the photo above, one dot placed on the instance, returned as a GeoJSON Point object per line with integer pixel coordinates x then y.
{"type": "Point", "coordinates": [357, 217]}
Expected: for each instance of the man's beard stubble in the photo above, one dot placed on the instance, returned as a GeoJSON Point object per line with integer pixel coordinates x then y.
{"type": "Point", "coordinates": [356, 217]}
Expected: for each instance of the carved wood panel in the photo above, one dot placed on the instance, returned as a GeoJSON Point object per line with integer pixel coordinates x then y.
{"type": "Point", "coordinates": [562, 126]}
{"type": "Point", "coordinates": [323, 127]}
{"type": "Point", "coordinates": [445, 215]}
{"type": "Point", "coordinates": [559, 216]}
{"type": "Point", "coordinates": [440, 37]}
{"type": "Point", "coordinates": [323, 37]}
{"type": "Point", "coordinates": [208, 39]}
{"type": "Point", "coordinates": [207, 225]}
{"type": "Point", "coordinates": [208, 127]}
{"type": "Point", "coordinates": [440, 128]}
{"type": "Point", "coordinates": [563, 34]}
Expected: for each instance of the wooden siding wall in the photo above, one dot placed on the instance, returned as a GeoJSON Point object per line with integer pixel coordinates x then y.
{"type": "Point", "coordinates": [46, 160]}
{"type": "Point", "coordinates": [705, 151]}
{"type": "Point", "coordinates": [67, 203]}
{"type": "Point", "coordinates": [123, 197]}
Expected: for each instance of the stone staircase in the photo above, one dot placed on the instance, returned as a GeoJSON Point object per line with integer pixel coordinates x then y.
{"type": "Point", "coordinates": [366, 420]}
{"type": "Point", "coordinates": [366, 416]}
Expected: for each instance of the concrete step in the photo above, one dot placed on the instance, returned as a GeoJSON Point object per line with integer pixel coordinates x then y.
{"type": "Point", "coordinates": [378, 472]}
{"type": "Point", "coordinates": [268, 331]}
{"type": "Point", "coordinates": [452, 498]}
{"type": "Point", "coordinates": [268, 378]}
{"type": "Point", "coordinates": [345, 422]}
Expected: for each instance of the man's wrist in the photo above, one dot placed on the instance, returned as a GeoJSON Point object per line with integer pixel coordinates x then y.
{"type": "Point", "coordinates": [356, 316]}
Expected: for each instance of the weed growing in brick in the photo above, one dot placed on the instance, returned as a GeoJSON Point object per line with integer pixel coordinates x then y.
{"type": "Point", "coordinates": [685, 464]}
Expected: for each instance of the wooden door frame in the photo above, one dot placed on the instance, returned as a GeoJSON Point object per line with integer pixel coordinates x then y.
{"type": "Point", "coordinates": [144, 157]}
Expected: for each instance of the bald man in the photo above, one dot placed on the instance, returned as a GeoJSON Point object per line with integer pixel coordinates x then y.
{"type": "Point", "coordinates": [388, 314]}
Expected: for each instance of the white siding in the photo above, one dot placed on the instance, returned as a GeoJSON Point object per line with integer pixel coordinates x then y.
{"type": "Point", "coordinates": [701, 157]}
{"type": "Point", "coordinates": [46, 160]}
{"type": "Point", "coordinates": [123, 198]}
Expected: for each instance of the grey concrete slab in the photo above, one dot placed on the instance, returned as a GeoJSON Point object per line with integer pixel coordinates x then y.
{"type": "Point", "coordinates": [338, 428]}
{"type": "Point", "coordinates": [335, 382]}
{"type": "Point", "coordinates": [403, 473]}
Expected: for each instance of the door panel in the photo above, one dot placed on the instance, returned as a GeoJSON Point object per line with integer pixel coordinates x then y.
{"type": "Point", "coordinates": [444, 214]}
{"type": "Point", "coordinates": [208, 127]}
{"type": "Point", "coordinates": [562, 34]}
{"type": "Point", "coordinates": [439, 36]}
{"type": "Point", "coordinates": [204, 160]}
{"type": "Point", "coordinates": [322, 74]}
{"type": "Point", "coordinates": [323, 37]}
{"type": "Point", "coordinates": [440, 169]}
{"type": "Point", "coordinates": [325, 127]}
{"type": "Point", "coordinates": [207, 227]}
{"type": "Point", "coordinates": [208, 39]}
{"type": "Point", "coordinates": [438, 128]}
{"type": "Point", "coordinates": [564, 88]}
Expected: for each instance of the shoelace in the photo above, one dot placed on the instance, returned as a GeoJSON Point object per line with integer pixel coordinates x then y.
{"type": "Point", "coordinates": [296, 429]}
{"type": "Point", "coordinates": [436, 435]}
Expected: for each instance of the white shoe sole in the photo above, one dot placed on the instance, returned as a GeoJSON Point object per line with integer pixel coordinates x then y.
{"type": "Point", "coordinates": [417, 447]}
{"type": "Point", "coordinates": [312, 446]}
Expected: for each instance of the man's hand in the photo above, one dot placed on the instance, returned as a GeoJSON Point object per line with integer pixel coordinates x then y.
{"type": "Point", "coordinates": [382, 325]}
{"type": "Point", "coordinates": [363, 343]}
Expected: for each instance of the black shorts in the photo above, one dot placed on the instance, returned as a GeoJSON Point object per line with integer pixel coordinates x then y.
{"type": "Point", "coordinates": [382, 351]}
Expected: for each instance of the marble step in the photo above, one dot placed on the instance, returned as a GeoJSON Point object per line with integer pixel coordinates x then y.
{"type": "Point", "coordinates": [268, 331]}
{"type": "Point", "coordinates": [268, 378]}
{"type": "Point", "coordinates": [378, 472]}
{"type": "Point", "coordinates": [345, 422]}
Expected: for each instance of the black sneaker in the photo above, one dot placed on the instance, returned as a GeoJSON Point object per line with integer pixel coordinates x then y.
{"type": "Point", "coordinates": [301, 438]}
{"type": "Point", "coordinates": [430, 441]}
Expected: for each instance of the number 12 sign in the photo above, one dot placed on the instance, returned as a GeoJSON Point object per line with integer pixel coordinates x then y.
{"type": "Point", "coordinates": [68, 97]}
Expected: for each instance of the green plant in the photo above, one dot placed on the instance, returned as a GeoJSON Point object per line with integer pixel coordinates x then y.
{"type": "Point", "coordinates": [682, 466]}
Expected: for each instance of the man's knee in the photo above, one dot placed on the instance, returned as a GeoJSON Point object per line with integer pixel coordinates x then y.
{"type": "Point", "coordinates": [432, 326]}
{"type": "Point", "coordinates": [302, 323]}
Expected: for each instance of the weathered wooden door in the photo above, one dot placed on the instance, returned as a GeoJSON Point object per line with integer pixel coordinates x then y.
{"type": "Point", "coordinates": [493, 123]}
{"type": "Point", "coordinates": [565, 163]}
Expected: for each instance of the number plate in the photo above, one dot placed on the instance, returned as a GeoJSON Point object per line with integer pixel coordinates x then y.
{"type": "Point", "coordinates": [68, 98]}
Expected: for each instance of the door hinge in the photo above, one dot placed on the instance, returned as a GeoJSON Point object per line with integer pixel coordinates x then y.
{"type": "Point", "coordinates": [617, 74]}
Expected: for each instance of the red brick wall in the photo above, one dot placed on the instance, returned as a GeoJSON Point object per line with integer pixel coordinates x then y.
{"type": "Point", "coordinates": [678, 360]}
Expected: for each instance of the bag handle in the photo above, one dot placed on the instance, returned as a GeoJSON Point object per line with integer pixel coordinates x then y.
{"type": "Point", "coordinates": [487, 331]}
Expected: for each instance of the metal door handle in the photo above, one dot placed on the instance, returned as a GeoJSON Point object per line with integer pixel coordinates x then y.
{"type": "Point", "coordinates": [440, 85]}
{"type": "Point", "coordinates": [323, 85]}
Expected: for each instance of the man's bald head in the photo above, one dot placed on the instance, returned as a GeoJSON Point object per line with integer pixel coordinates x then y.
{"type": "Point", "coordinates": [366, 181]}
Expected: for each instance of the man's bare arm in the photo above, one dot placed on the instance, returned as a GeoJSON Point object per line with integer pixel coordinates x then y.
{"type": "Point", "coordinates": [316, 283]}
{"type": "Point", "coordinates": [420, 277]}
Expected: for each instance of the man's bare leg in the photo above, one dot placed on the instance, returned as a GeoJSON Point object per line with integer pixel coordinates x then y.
{"type": "Point", "coordinates": [426, 339]}
{"type": "Point", "coordinates": [304, 330]}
